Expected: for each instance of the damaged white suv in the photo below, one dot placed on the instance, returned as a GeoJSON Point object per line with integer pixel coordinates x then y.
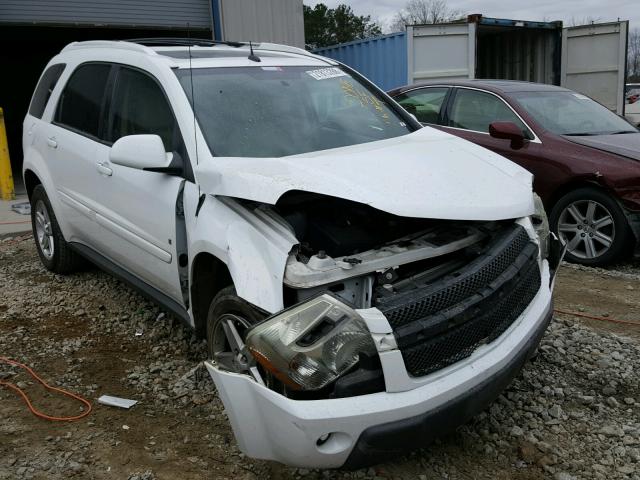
{"type": "Point", "coordinates": [364, 283]}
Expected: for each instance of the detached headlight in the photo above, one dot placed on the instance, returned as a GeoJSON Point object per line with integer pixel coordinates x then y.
{"type": "Point", "coordinates": [541, 225]}
{"type": "Point", "coordinates": [311, 344]}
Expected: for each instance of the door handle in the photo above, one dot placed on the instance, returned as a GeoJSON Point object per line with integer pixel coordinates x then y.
{"type": "Point", "coordinates": [51, 141]}
{"type": "Point", "coordinates": [104, 170]}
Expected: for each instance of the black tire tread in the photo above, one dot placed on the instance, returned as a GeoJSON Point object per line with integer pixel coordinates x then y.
{"type": "Point", "coordinates": [227, 301]}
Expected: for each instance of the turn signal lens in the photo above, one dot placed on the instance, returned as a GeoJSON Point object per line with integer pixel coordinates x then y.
{"type": "Point", "coordinates": [311, 344]}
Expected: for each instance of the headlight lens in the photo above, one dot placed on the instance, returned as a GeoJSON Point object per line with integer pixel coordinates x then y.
{"type": "Point", "coordinates": [312, 344]}
{"type": "Point", "coordinates": [541, 225]}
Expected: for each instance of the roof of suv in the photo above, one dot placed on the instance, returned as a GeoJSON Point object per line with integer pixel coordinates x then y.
{"type": "Point", "coordinates": [498, 86]}
{"type": "Point", "coordinates": [205, 54]}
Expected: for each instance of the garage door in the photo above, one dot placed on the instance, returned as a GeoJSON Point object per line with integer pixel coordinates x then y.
{"type": "Point", "coordinates": [130, 13]}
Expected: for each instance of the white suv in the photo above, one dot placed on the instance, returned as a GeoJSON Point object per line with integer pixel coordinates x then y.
{"type": "Point", "coordinates": [364, 283]}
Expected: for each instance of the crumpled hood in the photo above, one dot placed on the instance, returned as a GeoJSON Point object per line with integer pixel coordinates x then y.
{"type": "Point", "coordinates": [627, 145]}
{"type": "Point", "coordinates": [426, 174]}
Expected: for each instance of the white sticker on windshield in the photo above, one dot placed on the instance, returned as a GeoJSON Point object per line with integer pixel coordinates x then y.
{"type": "Point", "coordinates": [324, 73]}
{"type": "Point", "coordinates": [580, 96]}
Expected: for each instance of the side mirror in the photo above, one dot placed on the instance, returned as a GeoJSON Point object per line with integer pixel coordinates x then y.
{"type": "Point", "coordinates": [507, 131]}
{"type": "Point", "coordinates": [143, 152]}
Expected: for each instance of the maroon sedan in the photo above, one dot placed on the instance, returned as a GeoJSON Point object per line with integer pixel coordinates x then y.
{"type": "Point", "coordinates": [585, 159]}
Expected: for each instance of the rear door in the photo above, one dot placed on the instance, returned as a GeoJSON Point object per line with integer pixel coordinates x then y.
{"type": "Point", "coordinates": [72, 141]}
{"type": "Point", "coordinates": [441, 51]}
{"type": "Point", "coordinates": [594, 62]}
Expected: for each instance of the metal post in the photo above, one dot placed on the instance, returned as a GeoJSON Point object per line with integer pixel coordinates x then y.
{"type": "Point", "coordinates": [6, 179]}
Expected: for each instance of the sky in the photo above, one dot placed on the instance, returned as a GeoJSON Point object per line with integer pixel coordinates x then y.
{"type": "Point", "coordinates": [547, 10]}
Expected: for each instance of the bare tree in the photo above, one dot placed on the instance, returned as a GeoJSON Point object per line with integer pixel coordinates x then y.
{"type": "Point", "coordinates": [633, 55]}
{"type": "Point", "coordinates": [421, 12]}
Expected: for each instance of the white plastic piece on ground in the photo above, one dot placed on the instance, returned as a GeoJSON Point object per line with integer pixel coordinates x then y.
{"type": "Point", "coordinates": [270, 426]}
{"type": "Point", "coordinates": [116, 401]}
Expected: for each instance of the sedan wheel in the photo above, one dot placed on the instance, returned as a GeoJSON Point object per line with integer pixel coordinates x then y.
{"type": "Point", "coordinates": [587, 228]}
{"type": "Point", "coordinates": [592, 225]}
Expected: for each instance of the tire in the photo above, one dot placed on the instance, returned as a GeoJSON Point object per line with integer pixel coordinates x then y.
{"type": "Point", "coordinates": [592, 225]}
{"type": "Point", "coordinates": [54, 252]}
{"type": "Point", "coordinates": [224, 306]}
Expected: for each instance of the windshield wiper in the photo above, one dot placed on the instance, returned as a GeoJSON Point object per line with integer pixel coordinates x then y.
{"type": "Point", "coordinates": [595, 134]}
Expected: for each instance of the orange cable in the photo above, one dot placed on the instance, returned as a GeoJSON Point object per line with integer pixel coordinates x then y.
{"type": "Point", "coordinates": [34, 410]}
{"type": "Point", "coordinates": [602, 319]}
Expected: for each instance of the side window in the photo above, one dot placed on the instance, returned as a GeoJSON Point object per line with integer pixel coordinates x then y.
{"type": "Point", "coordinates": [81, 102]}
{"type": "Point", "coordinates": [43, 90]}
{"type": "Point", "coordinates": [139, 106]}
{"type": "Point", "coordinates": [425, 103]}
{"type": "Point", "coordinates": [475, 110]}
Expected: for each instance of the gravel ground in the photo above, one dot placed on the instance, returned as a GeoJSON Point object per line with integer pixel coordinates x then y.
{"type": "Point", "coordinates": [574, 412]}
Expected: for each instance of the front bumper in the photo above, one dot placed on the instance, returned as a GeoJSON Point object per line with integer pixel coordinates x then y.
{"type": "Point", "coordinates": [366, 429]}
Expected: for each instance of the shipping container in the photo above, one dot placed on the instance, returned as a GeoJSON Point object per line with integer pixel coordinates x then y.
{"type": "Point", "coordinates": [590, 59]}
{"type": "Point", "coordinates": [383, 59]}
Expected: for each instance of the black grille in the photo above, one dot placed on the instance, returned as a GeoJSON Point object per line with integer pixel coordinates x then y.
{"type": "Point", "coordinates": [402, 309]}
{"type": "Point", "coordinates": [439, 325]}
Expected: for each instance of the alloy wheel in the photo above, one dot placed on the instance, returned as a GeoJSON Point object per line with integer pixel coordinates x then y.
{"type": "Point", "coordinates": [228, 343]}
{"type": "Point", "coordinates": [587, 228]}
{"type": "Point", "coordinates": [44, 230]}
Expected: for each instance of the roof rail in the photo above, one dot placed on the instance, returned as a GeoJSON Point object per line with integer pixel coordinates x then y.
{"type": "Point", "coordinates": [181, 42]}
{"type": "Point", "coordinates": [122, 44]}
{"type": "Point", "coordinates": [277, 47]}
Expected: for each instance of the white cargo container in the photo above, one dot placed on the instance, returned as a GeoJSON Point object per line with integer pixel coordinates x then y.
{"type": "Point", "coordinates": [590, 59]}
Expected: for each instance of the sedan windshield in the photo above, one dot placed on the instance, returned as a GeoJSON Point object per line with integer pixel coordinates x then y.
{"type": "Point", "coordinates": [280, 111]}
{"type": "Point", "coordinates": [570, 113]}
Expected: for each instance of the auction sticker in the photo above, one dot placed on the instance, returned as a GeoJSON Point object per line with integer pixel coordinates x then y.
{"type": "Point", "coordinates": [324, 73]}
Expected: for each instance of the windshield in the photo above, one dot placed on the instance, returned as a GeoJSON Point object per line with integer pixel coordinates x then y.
{"type": "Point", "coordinates": [280, 111]}
{"type": "Point", "coordinates": [570, 113]}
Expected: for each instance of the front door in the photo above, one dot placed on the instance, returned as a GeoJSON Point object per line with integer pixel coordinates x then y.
{"type": "Point", "coordinates": [137, 209]}
{"type": "Point", "coordinates": [469, 115]}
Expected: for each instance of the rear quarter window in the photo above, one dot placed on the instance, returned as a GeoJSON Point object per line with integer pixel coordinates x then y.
{"type": "Point", "coordinates": [44, 88]}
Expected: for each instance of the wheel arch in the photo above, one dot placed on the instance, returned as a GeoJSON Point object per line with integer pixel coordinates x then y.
{"type": "Point", "coordinates": [31, 180]}
{"type": "Point", "coordinates": [575, 184]}
{"type": "Point", "coordinates": [209, 275]}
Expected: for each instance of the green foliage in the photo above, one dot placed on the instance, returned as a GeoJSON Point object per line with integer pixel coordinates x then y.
{"type": "Point", "coordinates": [324, 26]}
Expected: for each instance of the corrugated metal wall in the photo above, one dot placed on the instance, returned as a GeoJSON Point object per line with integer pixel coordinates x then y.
{"type": "Point", "coordinates": [129, 13]}
{"type": "Point", "coordinates": [277, 21]}
{"type": "Point", "coordinates": [383, 60]}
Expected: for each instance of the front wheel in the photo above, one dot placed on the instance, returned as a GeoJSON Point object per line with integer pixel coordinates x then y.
{"type": "Point", "coordinates": [228, 320]}
{"type": "Point", "coordinates": [592, 225]}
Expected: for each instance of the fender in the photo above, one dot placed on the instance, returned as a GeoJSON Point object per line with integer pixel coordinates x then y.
{"type": "Point", "coordinates": [33, 161]}
{"type": "Point", "coordinates": [254, 245]}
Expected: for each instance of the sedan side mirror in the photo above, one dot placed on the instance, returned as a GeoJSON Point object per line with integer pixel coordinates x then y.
{"type": "Point", "coordinates": [143, 152]}
{"type": "Point", "coordinates": [507, 131]}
